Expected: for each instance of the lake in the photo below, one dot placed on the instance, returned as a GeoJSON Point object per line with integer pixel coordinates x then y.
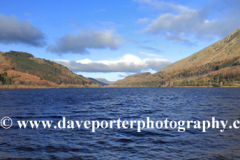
{"type": "Point", "coordinates": [114, 103]}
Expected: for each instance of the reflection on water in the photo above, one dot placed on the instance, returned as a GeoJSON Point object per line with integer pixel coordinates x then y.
{"type": "Point", "coordinates": [127, 104]}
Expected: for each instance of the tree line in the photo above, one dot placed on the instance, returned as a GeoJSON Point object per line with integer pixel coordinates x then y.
{"type": "Point", "coordinates": [4, 79]}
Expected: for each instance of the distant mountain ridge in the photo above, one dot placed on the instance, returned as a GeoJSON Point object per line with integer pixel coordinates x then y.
{"type": "Point", "coordinates": [215, 65]}
{"type": "Point", "coordinates": [104, 80]}
{"type": "Point", "coordinates": [101, 81]}
{"type": "Point", "coordinates": [23, 70]}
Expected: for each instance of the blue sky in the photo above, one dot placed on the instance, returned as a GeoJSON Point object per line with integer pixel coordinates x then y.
{"type": "Point", "coordinates": [112, 39]}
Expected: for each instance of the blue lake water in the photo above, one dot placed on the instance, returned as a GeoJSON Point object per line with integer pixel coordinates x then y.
{"type": "Point", "coordinates": [127, 104]}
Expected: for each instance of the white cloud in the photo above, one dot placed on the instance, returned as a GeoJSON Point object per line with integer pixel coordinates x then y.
{"type": "Point", "coordinates": [176, 20]}
{"type": "Point", "coordinates": [142, 20]}
{"type": "Point", "coordinates": [166, 6]}
{"type": "Point", "coordinates": [125, 75]}
{"type": "Point", "coordinates": [86, 39]}
{"type": "Point", "coordinates": [73, 23]}
{"type": "Point", "coordinates": [127, 63]}
{"type": "Point", "coordinates": [150, 54]}
{"type": "Point", "coordinates": [150, 48]}
{"type": "Point", "coordinates": [15, 31]}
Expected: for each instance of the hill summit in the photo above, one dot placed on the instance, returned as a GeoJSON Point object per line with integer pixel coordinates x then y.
{"type": "Point", "coordinates": [23, 70]}
{"type": "Point", "coordinates": [215, 65]}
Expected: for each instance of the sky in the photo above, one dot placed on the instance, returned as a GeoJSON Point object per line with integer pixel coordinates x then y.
{"type": "Point", "coordinates": [113, 39]}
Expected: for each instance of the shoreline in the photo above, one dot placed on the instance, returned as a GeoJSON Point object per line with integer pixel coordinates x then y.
{"type": "Point", "coordinates": [43, 87]}
{"type": "Point", "coordinates": [57, 87]}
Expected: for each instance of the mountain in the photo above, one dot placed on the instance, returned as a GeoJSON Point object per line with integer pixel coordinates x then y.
{"type": "Point", "coordinates": [101, 81]}
{"type": "Point", "coordinates": [104, 80]}
{"type": "Point", "coordinates": [23, 70]}
{"type": "Point", "coordinates": [215, 65]}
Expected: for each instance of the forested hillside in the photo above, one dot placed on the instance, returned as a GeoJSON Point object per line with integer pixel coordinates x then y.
{"type": "Point", "coordinates": [21, 68]}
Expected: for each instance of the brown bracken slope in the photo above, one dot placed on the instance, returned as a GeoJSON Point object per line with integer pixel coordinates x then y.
{"type": "Point", "coordinates": [215, 65]}
{"type": "Point", "coordinates": [23, 70]}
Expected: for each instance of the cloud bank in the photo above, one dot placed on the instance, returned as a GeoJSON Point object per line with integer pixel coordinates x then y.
{"type": "Point", "coordinates": [127, 63]}
{"type": "Point", "coordinates": [15, 31]}
{"type": "Point", "coordinates": [84, 40]}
